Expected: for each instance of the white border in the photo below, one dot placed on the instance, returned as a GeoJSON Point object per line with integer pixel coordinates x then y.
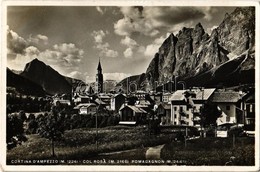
{"type": "Point", "coordinates": [6, 3]}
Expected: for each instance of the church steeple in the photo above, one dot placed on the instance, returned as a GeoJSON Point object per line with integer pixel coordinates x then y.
{"type": "Point", "coordinates": [99, 68]}
{"type": "Point", "coordinates": [99, 79]}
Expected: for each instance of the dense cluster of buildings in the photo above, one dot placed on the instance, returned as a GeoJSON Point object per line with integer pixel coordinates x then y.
{"type": "Point", "coordinates": [180, 107]}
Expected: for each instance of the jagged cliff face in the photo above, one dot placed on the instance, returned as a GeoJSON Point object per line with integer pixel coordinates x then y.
{"type": "Point", "coordinates": [193, 52]}
{"type": "Point", "coordinates": [237, 31]}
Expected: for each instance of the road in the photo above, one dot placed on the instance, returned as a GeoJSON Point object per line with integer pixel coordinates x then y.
{"type": "Point", "coordinates": [154, 152]}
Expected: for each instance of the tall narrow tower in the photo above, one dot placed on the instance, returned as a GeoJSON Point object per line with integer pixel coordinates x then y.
{"type": "Point", "coordinates": [99, 79]}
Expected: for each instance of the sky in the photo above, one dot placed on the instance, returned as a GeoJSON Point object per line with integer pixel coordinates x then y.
{"type": "Point", "coordinates": [71, 39]}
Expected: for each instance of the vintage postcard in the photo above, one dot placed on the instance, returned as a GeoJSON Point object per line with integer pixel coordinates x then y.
{"type": "Point", "coordinates": [130, 86]}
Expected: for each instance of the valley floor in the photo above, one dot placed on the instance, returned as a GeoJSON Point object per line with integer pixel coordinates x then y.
{"type": "Point", "coordinates": [120, 145]}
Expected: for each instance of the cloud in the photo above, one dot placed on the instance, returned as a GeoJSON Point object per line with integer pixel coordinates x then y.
{"type": "Point", "coordinates": [116, 76]}
{"type": "Point", "coordinates": [64, 57]}
{"type": "Point", "coordinates": [19, 60]}
{"type": "Point", "coordinates": [99, 35]}
{"type": "Point", "coordinates": [177, 27]}
{"type": "Point", "coordinates": [110, 53]}
{"type": "Point", "coordinates": [18, 45]}
{"type": "Point", "coordinates": [102, 46]}
{"type": "Point", "coordinates": [90, 79]}
{"type": "Point", "coordinates": [128, 53]}
{"type": "Point", "coordinates": [66, 54]}
{"type": "Point", "coordinates": [128, 42]}
{"type": "Point", "coordinates": [105, 51]}
{"type": "Point", "coordinates": [38, 39]}
{"type": "Point", "coordinates": [31, 51]}
{"type": "Point", "coordinates": [15, 43]}
{"type": "Point", "coordinates": [168, 16]}
{"type": "Point", "coordinates": [99, 9]}
{"type": "Point", "coordinates": [131, 46]}
{"type": "Point", "coordinates": [209, 30]}
{"type": "Point", "coordinates": [77, 75]}
{"type": "Point", "coordinates": [134, 21]}
{"type": "Point", "coordinates": [153, 48]}
{"type": "Point", "coordinates": [149, 20]}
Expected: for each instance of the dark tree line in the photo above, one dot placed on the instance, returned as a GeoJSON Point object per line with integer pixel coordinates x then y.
{"type": "Point", "coordinates": [26, 103]}
{"type": "Point", "coordinates": [15, 129]}
{"type": "Point", "coordinates": [52, 124]}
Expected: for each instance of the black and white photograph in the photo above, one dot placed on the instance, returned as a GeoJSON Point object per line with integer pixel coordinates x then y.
{"type": "Point", "coordinates": [130, 86]}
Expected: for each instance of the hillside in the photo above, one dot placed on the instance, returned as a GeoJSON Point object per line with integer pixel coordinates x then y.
{"type": "Point", "coordinates": [23, 85]}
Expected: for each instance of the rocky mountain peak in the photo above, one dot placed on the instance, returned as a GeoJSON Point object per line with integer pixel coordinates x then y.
{"type": "Point", "coordinates": [50, 80]}
{"type": "Point", "coordinates": [199, 26]}
{"type": "Point", "coordinates": [199, 59]}
{"type": "Point", "coordinates": [195, 52]}
{"type": "Point", "coordinates": [237, 32]}
{"type": "Point", "coordinates": [35, 65]}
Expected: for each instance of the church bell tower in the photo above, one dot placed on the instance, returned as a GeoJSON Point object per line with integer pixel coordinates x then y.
{"type": "Point", "coordinates": [99, 79]}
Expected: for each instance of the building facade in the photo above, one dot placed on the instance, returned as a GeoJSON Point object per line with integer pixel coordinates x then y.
{"type": "Point", "coordinates": [186, 106]}
{"type": "Point", "coordinates": [229, 103]}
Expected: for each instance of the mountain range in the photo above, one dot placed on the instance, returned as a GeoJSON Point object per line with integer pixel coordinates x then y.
{"type": "Point", "coordinates": [40, 79]}
{"type": "Point", "coordinates": [37, 78]}
{"type": "Point", "coordinates": [226, 57]}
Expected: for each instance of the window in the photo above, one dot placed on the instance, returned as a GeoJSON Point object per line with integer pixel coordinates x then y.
{"type": "Point", "coordinates": [228, 118]}
{"type": "Point", "coordinates": [174, 123]}
{"type": "Point", "coordinates": [227, 107]}
{"type": "Point", "coordinates": [187, 116]}
{"type": "Point", "coordinates": [165, 98]}
{"type": "Point", "coordinates": [175, 116]}
{"type": "Point", "coordinates": [181, 108]}
{"type": "Point", "coordinates": [175, 108]}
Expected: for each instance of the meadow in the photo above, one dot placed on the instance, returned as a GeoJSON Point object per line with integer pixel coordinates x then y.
{"type": "Point", "coordinates": [212, 151]}
{"type": "Point", "coordinates": [80, 143]}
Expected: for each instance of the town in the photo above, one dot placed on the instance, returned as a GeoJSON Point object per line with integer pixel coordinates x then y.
{"type": "Point", "coordinates": [168, 114]}
{"type": "Point", "coordinates": [172, 107]}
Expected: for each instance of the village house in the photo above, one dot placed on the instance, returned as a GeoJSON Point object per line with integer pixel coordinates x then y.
{"type": "Point", "coordinates": [81, 99]}
{"type": "Point", "coordinates": [89, 90]}
{"type": "Point", "coordinates": [105, 98]}
{"type": "Point", "coordinates": [229, 103]}
{"type": "Point", "coordinates": [164, 111]}
{"type": "Point", "coordinates": [62, 99]}
{"type": "Point", "coordinates": [86, 108]}
{"type": "Point", "coordinates": [166, 97]}
{"type": "Point", "coordinates": [248, 106]}
{"type": "Point", "coordinates": [186, 105]}
{"type": "Point", "coordinates": [156, 97]}
{"type": "Point", "coordinates": [132, 115]}
{"type": "Point", "coordinates": [100, 103]}
{"type": "Point", "coordinates": [236, 106]}
{"type": "Point", "coordinates": [116, 101]}
{"type": "Point", "coordinates": [140, 94]}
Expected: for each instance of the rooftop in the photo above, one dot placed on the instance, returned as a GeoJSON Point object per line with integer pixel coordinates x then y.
{"type": "Point", "coordinates": [84, 105]}
{"type": "Point", "coordinates": [201, 94]}
{"type": "Point", "coordinates": [134, 108]}
{"type": "Point", "coordinates": [228, 97]}
{"type": "Point", "coordinates": [165, 105]}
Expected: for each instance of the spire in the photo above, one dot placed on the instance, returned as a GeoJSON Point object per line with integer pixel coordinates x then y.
{"type": "Point", "coordinates": [99, 65]}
